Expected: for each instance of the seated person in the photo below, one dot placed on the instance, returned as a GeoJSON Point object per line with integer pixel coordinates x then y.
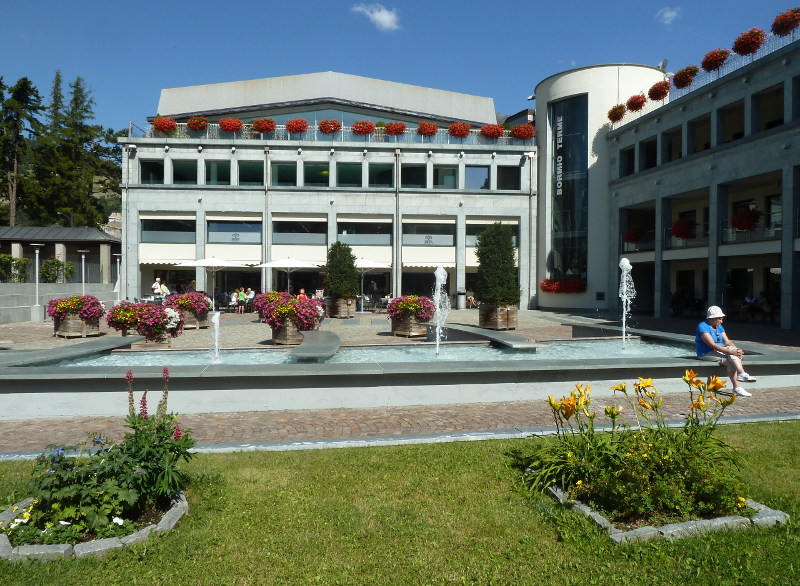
{"type": "Point", "coordinates": [712, 343]}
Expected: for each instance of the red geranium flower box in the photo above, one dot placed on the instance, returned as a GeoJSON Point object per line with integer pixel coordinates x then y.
{"type": "Point", "coordinates": [492, 130]}
{"type": "Point", "coordinates": [329, 126]}
{"type": "Point", "coordinates": [363, 127]}
{"type": "Point", "coordinates": [197, 123]}
{"type": "Point", "coordinates": [459, 129]}
{"type": "Point", "coordinates": [573, 285]}
{"type": "Point", "coordinates": [395, 128]}
{"type": "Point", "coordinates": [262, 125]}
{"type": "Point", "coordinates": [681, 229]}
{"type": "Point", "coordinates": [633, 236]}
{"type": "Point", "coordinates": [749, 42]}
{"type": "Point", "coordinates": [165, 124]}
{"type": "Point", "coordinates": [683, 78]}
{"type": "Point", "coordinates": [659, 90]}
{"type": "Point", "coordinates": [617, 113]}
{"type": "Point", "coordinates": [746, 220]}
{"type": "Point", "coordinates": [296, 126]}
{"type": "Point", "coordinates": [427, 128]}
{"type": "Point", "coordinates": [714, 59]}
{"type": "Point", "coordinates": [230, 124]}
{"type": "Point", "coordinates": [786, 22]}
{"type": "Point", "coordinates": [523, 131]}
{"type": "Point", "coordinates": [636, 103]}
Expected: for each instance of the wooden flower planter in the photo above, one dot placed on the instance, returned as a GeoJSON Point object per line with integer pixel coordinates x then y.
{"type": "Point", "coordinates": [409, 327]}
{"type": "Point", "coordinates": [288, 334]}
{"type": "Point", "coordinates": [497, 317]}
{"type": "Point", "coordinates": [72, 326]}
{"type": "Point", "coordinates": [340, 308]}
{"type": "Point", "coordinates": [192, 322]}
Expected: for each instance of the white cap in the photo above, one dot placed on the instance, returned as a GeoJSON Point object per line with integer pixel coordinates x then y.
{"type": "Point", "coordinates": [713, 312]}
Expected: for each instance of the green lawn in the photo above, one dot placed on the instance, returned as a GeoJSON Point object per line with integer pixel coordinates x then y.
{"type": "Point", "coordinates": [426, 514]}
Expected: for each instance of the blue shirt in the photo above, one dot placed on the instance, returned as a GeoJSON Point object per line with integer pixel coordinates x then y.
{"type": "Point", "coordinates": [716, 334]}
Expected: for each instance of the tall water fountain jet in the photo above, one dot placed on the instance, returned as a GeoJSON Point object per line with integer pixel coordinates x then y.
{"type": "Point", "coordinates": [215, 331]}
{"type": "Point", "coordinates": [441, 301]}
{"type": "Point", "coordinates": [626, 292]}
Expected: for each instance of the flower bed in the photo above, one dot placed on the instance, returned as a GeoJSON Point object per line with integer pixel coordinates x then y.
{"type": "Point", "coordinates": [165, 124]}
{"type": "Point", "coordinates": [749, 42]}
{"type": "Point", "coordinates": [122, 316]}
{"type": "Point", "coordinates": [523, 131]}
{"type": "Point", "coordinates": [197, 123]}
{"type": "Point", "coordinates": [363, 127]}
{"type": "Point", "coordinates": [572, 285]}
{"type": "Point", "coordinates": [329, 126]}
{"type": "Point", "coordinates": [407, 306]}
{"type": "Point", "coordinates": [296, 126]}
{"type": "Point", "coordinates": [427, 129]}
{"type": "Point", "coordinates": [276, 307]}
{"type": "Point", "coordinates": [786, 22]}
{"type": "Point", "coordinates": [157, 322]}
{"type": "Point", "coordinates": [636, 103]}
{"type": "Point", "coordinates": [264, 125]}
{"type": "Point", "coordinates": [459, 129]}
{"type": "Point", "coordinates": [714, 59]}
{"type": "Point", "coordinates": [230, 124]}
{"type": "Point", "coordinates": [617, 113]}
{"type": "Point", "coordinates": [492, 131]}
{"type": "Point", "coordinates": [395, 128]}
{"type": "Point", "coordinates": [683, 78]}
{"type": "Point", "coordinates": [659, 90]}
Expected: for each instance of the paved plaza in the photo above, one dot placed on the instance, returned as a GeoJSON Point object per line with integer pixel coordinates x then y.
{"type": "Point", "coordinates": [302, 429]}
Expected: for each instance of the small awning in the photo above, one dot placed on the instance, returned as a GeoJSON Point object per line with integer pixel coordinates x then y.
{"type": "Point", "coordinates": [428, 265]}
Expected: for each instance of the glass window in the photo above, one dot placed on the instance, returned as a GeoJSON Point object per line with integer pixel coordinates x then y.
{"type": "Point", "coordinates": [428, 234]}
{"type": "Point", "coordinates": [671, 145]}
{"type": "Point", "coordinates": [445, 177]}
{"type": "Point", "coordinates": [700, 134]}
{"type": "Point", "coordinates": [476, 177]}
{"type": "Point", "coordinates": [768, 109]}
{"type": "Point", "coordinates": [299, 232]}
{"type": "Point", "coordinates": [627, 158]}
{"type": "Point", "coordinates": [364, 233]}
{"type": "Point", "coordinates": [284, 174]}
{"type": "Point", "coordinates": [218, 172]}
{"type": "Point", "coordinates": [381, 174]}
{"type": "Point", "coordinates": [474, 229]}
{"type": "Point", "coordinates": [730, 122]}
{"type": "Point", "coordinates": [647, 154]}
{"type": "Point", "coordinates": [509, 178]}
{"type": "Point", "coordinates": [348, 174]}
{"type": "Point", "coordinates": [413, 176]}
{"type": "Point", "coordinates": [225, 232]}
{"type": "Point", "coordinates": [168, 231]}
{"type": "Point", "coordinates": [316, 174]}
{"type": "Point", "coordinates": [184, 172]}
{"type": "Point", "coordinates": [152, 172]}
{"type": "Point", "coordinates": [251, 173]}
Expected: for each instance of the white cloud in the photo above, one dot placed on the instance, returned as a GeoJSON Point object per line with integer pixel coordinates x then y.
{"type": "Point", "coordinates": [384, 19]}
{"type": "Point", "coordinates": [668, 15]}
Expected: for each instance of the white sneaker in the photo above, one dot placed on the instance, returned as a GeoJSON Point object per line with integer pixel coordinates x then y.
{"type": "Point", "coordinates": [740, 392]}
{"type": "Point", "coordinates": [746, 378]}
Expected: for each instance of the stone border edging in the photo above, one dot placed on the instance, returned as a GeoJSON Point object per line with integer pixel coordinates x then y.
{"type": "Point", "coordinates": [98, 547]}
{"type": "Point", "coordinates": [764, 517]}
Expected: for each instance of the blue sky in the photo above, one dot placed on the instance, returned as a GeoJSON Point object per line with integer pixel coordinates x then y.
{"type": "Point", "coordinates": [128, 51]}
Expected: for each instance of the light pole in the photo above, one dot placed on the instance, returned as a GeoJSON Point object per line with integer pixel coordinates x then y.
{"type": "Point", "coordinates": [119, 279]}
{"type": "Point", "coordinates": [36, 272]}
{"type": "Point", "coordinates": [83, 271]}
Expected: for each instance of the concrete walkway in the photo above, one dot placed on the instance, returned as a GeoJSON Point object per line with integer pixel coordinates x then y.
{"type": "Point", "coordinates": [348, 427]}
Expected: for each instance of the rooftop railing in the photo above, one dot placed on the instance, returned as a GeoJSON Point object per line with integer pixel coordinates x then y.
{"type": "Point", "coordinates": [212, 131]}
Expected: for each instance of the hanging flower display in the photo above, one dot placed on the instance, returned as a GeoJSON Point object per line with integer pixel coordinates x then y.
{"type": "Point", "coordinates": [230, 125]}
{"type": "Point", "coordinates": [363, 127]}
{"type": "Point", "coordinates": [749, 42]}
{"type": "Point", "coordinates": [681, 229]}
{"type": "Point", "coordinates": [636, 103]}
{"type": "Point", "coordinates": [683, 78]}
{"type": "Point", "coordinates": [394, 128]}
{"type": "Point", "coordinates": [617, 113]}
{"type": "Point", "coordinates": [427, 128]}
{"type": "Point", "coordinates": [197, 123]}
{"type": "Point", "coordinates": [329, 126]}
{"type": "Point", "coordinates": [492, 130]}
{"type": "Point", "coordinates": [746, 220]}
{"type": "Point", "coordinates": [572, 285]}
{"type": "Point", "coordinates": [459, 129]}
{"type": "Point", "coordinates": [659, 90]}
{"type": "Point", "coordinates": [523, 131]}
{"type": "Point", "coordinates": [633, 236]}
{"type": "Point", "coordinates": [714, 59]}
{"type": "Point", "coordinates": [296, 125]}
{"type": "Point", "coordinates": [786, 22]}
{"type": "Point", "coordinates": [263, 125]}
{"type": "Point", "coordinates": [165, 124]}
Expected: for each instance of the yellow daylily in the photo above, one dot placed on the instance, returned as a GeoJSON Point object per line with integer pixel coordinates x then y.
{"type": "Point", "coordinates": [569, 406]}
{"type": "Point", "coordinates": [644, 382]}
{"type": "Point", "coordinates": [715, 383]}
{"type": "Point", "coordinates": [555, 405]}
{"type": "Point", "coordinates": [645, 404]}
{"type": "Point", "coordinates": [622, 387]}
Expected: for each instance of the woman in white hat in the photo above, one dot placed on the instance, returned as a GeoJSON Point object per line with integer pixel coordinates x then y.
{"type": "Point", "coordinates": [712, 343]}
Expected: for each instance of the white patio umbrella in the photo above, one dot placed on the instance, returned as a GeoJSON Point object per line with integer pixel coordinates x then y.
{"type": "Point", "coordinates": [364, 266]}
{"type": "Point", "coordinates": [212, 265]}
{"type": "Point", "coordinates": [288, 265]}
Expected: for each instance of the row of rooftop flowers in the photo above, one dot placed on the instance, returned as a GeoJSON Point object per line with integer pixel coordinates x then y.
{"type": "Point", "coordinates": [333, 130]}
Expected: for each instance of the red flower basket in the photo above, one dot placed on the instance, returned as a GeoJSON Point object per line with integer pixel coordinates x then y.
{"type": "Point", "coordinates": [395, 128]}
{"type": "Point", "coordinates": [574, 285]}
{"type": "Point", "coordinates": [427, 128]}
{"type": "Point", "coordinates": [786, 22]}
{"type": "Point", "coordinates": [523, 131]}
{"type": "Point", "coordinates": [263, 125]}
{"type": "Point", "coordinates": [329, 126]}
{"type": "Point", "coordinates": [492, 130]}
{"type": "Point", "coordinates": [681, 229]}
{"type": "Point", "coordinates": [636, 103]}
{"type": "Point", "coordinates": [749, 42]}
{"type": "Point", "coordinates": [683, 78]}
{"type": "Point", "coordinates": [296, 126]}
{"type": "Point", "coordinates": [197, 123]}
{"type": "Point", "coordinates": [746, 220]}
{"type": "Point", "coordinates": [659, 90]}
{"type": "Point", "coordinates": [633, 236]}
{"type": "Point", "coordinates": [459, 129]}
{"type": "Point", "coordinates": [617, 113]}
{"type": "Point", "coordinates": [714, 59]}
{"type": "Point", "coordinates": [230, 125]}
{"type": "Point", "coordinates": [165, 124]}
{"type": "Point", "coordinates": [363, 127]}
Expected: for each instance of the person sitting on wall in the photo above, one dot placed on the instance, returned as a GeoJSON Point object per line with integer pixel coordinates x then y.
{"type": "Point", "coordinates": [712, 343]}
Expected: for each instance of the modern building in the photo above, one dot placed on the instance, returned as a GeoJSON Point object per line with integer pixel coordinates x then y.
{"type": "Point", "coordinates": [407, 201]}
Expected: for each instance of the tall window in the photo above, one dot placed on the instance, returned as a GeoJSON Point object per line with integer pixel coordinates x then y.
{"type": "Point", "coordinates": [413, 176]}
{"type": "Point", "coordinates": [299, 232]}
{"type": "Point", "coordinates": [509, 178]}
{"type": "Point", "coordinates": [218, 172]}
{"type": "Point", "coordinates": [445, 177]}
{"type": "Point", "coordinates": [424, 234]}
{"type": "Point", "coordinates": [184, 172]}
{"type": "Point", "coordinates": [251, 173]}
{"type": "Point", "coordinates": [228, 232]}
{"type": "Point", "coordinates": [284, 174]}
{"type": "Point", "coordinates": [476, 177]}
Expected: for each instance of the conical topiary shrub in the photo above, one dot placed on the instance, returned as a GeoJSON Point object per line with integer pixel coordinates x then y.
{"type": "Point", "coordinates": [497, 287]}
{"type": "Point", "coordinates": [341, 282]}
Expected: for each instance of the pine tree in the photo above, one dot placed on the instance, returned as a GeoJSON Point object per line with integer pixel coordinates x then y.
{"type": "Point", "coordinates": [496, 281]}
{"type": "Point", "coordinates": [342, 280]}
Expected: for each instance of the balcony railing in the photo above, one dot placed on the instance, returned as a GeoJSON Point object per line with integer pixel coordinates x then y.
{"type": "Point", "coordinates": [698, 236]}
{"type": "Point", "coordinates": [212, 131]}
{"type": "Point", "coordinates": [647, 242]}
{"type": "Point", "coordinates": [768, 228]}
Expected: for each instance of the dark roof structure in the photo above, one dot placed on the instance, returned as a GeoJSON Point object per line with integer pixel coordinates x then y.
{"type": "Point", "coordinates": [55, 234]}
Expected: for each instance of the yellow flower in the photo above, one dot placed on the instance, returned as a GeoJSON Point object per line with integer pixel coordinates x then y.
{"type": "Point", "coordinates": [645, 382]}
{"type": "Point", "coordinates": [645, 455]}
{"type": "Point", "coordinates": [569, 406]}
{"type": "Point", "coordinates": [699, 403]}
{"type": "Point", "coordinates": [555, 405]}
{"type": "Point", "coordinates": [569, 455]}
{"type": "Point", "coordinates": [579, 483]}
{"type": "Point", "coordinates": [645, 404]}
{"type": "Point", "coordinates": [691, 378]}
{"type": "Point", "coordinates": [715, 383]}
{"type": "Point", "coordinates": [622, 387]}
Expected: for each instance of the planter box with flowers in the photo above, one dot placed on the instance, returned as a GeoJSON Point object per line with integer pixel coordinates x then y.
{"type": "Point", "coordinates": [749, 42]}
{"type": "Point", "coordinates": [682, 229]}
{"type": "Point", "coordinates": [363, 127]}
{"type": "Point", "coordinates": [746, 220]}
{"type": "Point", "coordinates": [459, 130]}
{"type": "Point", "coordinates": [287, 316]}
{"type": "Point", "coordinates": [683, 78]}
{"type": "Point", "coordinates": [157, 323]}
{"type": "Point", "coordinates": [77, 316]}
{"type": "Point", "coordinates": [197, 123]}
{"type": "Point", "coordinates": [165, 125]}
{"type": "Point", "coordinates": [786, 22]}
{"type": "Point", "coordinates": [122, 317]}
{"type": "Point", "coordinates": [523, 131]}
{"type": "Point", "coordinates": [714, 59]}
{"type": "Point", "coordinates": [395, 128]}
{"type": "Point", "coordinates": [194, 305]}
{"type": "Point", "coordinates": [571, 285]}
{"type": "Point", "coordinates": [633, 236]}
{"type": "Point", "coordinates": [296, 126]}
{"type": "Point", "coordinates": [617, 113]}
{"type": "Point", "coordinates": [492, 131]}
{"type": "Point", "coordinates": [264, 125]}
{"type": "Point", "coordinates": [230, 125]}
{"type": "Point", "coordinates": [636, 103]}
{"type": "Point", "coordinates": [659, 90]}
{"type": "Point", "coordinates": [329, 126]}
{"type": "Point", "coordinates": [427, 129]}
{"type": "Point", "coordinates": [410, 314]}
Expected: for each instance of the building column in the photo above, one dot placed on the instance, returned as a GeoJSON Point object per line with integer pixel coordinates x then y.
{"type": "Point", "coordinates": [717, 266]}
{"type": "Point", "coordinates": [16, 249]}
{"type": "Point", "coordinates": [61, 254]}
{"type": "Point", "coordinates": [105, 263]}
{"type": "Point", "coordinates": [461, 256]}
{"type": "Point", "coordinates": [790, 259]}
{"type": "Point", "coordinates": [662, 287]}
{"type": "Point", "coordinates": [200, 273]}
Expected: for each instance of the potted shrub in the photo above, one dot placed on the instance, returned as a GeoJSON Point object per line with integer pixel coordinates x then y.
{"type": "Point", "coordinates": [329, 126]}
{"type": "Point", "coordinates": [492, 131]}
{"type": "Point", "coordinates": [683, 78]}
{"type": "Point", "coordinates": [395, 128]}
{"type": "Point", "coordinates": [76, 316]}
{"type": "Point", "coordinates": [659, 90]}
{"type": "Point", "coordinates": [296, 126]}
{"type": "Point", "coordinates": [714, 59]}
{"type": "Point", "coordinates": [165, 124]}
{"type": "Point", "coordinates": [749, 42]}
{"type": "Point", "coordinates": [427, 129]}
{"type": "Point", "coordinates": [785, 23]}
{"type": "Point", "coordinates": [288, 316]}
{"type": "Point", "coordinates": [363, 127]}
{"type": "Point", "coordinates": [158, 323]}
{"type": "Point", "coordinates": [636, 103]}
{"type": "Point", "coordinates": [409, 315]}
{"type": "Point", "coordinates": [122, 317]}
{"type": "Point", "coordinates": [496, 286]}
{"type": "Point", "coordinates": [617, 113]}
{"type": "Point", "coordinates": [230, 125]}
{"type": "Point", "coordinates": [197, 123]}
{"type": "Point", "coordinates": [523, 131]}
{"type": "Point", "coordinates": [264, 125]}
{"type": "Point", "coordinates": [459, 130]}
{"type": "Point", "coordinates": [341, 282]}
{"type": "Point", "coordinates": [192, 303]}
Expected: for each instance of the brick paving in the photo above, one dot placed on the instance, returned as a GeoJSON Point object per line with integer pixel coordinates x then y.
{"type": "Point", "coordinates": [282, 427]}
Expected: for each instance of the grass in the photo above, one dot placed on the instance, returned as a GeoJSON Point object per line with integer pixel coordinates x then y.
{"type": "Point", "coordinates": [426, 514]}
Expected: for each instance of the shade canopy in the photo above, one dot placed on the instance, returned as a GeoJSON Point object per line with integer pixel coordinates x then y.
{"type": "Point", "coordinates": [288, 265]}
{"type": "Point", "coordinates": [213, 265]}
